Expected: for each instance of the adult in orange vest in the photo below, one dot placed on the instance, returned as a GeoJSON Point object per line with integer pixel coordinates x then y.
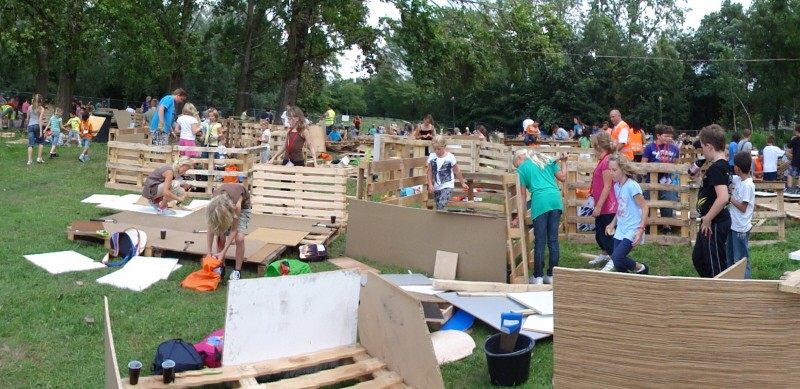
{"type": "Point", "coordinates": [636, 140]}
{"type": "Point", "coordinates": [620, 134]}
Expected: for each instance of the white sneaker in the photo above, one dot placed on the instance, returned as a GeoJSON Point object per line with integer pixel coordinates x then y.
{"type": "Point", "coordinates": [30, 163]}
{"type": "Point", "coordinates": [236, 275]}
{"type": "Point", "coordinates": [80, 158]}
{"type": "Point", "coordinates": [598, 259]}
{"type": "Point", "coordinates": [536, 281]}
{"type": "Point", "coordinates": [39, 160]}
{"type": "Point", "coordinates": [609, 266]}
{"type": "Point", "coordinates": [548, 280]}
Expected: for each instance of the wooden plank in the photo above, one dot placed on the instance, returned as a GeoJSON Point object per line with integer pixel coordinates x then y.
{"type": "Point", "coordinates": [350, 263]}
{"type": "Point", "coordinates": [471, 286]}
{"type": "Point", "coordinates": [791, 284]}
{"type": "Point", "coordinates": [445, 266]}
{"type": "Point", "coordinates": [332, 376]}
{"type": "Point", "coordinates": [278, 236]}
{"type": "Point", "coordinates": [735, 272]}
{"type": "Point", "coordinates": [382, 381]}
{"type": "Point", "coordinates": [112, 377]}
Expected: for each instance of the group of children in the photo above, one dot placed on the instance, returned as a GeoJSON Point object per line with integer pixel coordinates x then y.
{"type": "Point", "coordinates": [41, 132]}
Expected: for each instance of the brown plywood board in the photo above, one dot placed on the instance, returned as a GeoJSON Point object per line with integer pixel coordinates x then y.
{"type": "Point", "coordinates": [391, 326]}
{"type": "Point", "coordinates": [382, 232]}
{"type": "Point", "coordinates": [278, 236]}
{"type": "Point", "coordinates": [350, 263]}
{"type": "Point", "coordinates": [197, 220]}
{"type": "Point", "coordinates": [318, 138]}
{"type": "Point", "coordinates": [112, 378]}
{"type": "Point", "coordinates": [673, 332]}
{"type": "Point", "coordinates": [445, 266]}
{"type": "Point", "coordinates": [735, 272]}
{"type": "Point", "coordinates": [123, 118]}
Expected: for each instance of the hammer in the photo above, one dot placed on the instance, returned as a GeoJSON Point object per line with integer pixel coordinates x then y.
{"type": "Point", "coordinates": [188, 243]}
{"type": "Point", "coordinates": [104, 220]}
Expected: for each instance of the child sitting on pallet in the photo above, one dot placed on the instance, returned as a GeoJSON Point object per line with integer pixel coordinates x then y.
{"type": "Point", "coordinates": [228, 216]}
{"type": "Point", "coordinates": [441, 168]}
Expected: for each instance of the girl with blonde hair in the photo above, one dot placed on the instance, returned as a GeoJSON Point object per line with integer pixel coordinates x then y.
{"type": "Point", "coordinates": [441, 170]}
{"type": "Point", "coordinates": [228, 216]}
{"type": "Point", "coordinates": [297, 136]}
{"type": "Point", "coordinates": [538, 174]}
{"type": "Point", "coordinates": [162, 185]}
{"type": "Point", "coordinates": [605, 202]}
{"type": "Point", "coordinates": [629, 223]}
{"type": "Point", "coordinates": [188, 124]}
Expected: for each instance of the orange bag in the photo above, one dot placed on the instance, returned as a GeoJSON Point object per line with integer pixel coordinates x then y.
{"type": "Point", "coordinates": [205, 279]}
{"type": "Point", "coordinates": [231, 179]}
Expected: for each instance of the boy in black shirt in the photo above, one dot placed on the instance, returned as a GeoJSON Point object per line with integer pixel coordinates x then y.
{"type": "Point", "coordinates": [708, 255]}
{"type": "Point", "coordinates": [794, 154]}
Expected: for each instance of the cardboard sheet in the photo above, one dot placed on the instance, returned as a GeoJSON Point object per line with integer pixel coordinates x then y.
{"type": "Point", "coordinates": [197, 220]}
{"type": "Point", "coordinates": [140, 273]}
{"type": "Point", "coordinates": [382, 232]}
{"type": "Point", "coordinates": [278, 236]}
{"type": "Point", "coordinates": [269, 318]}
{"type": "Point", "coordinates": [63, 262]}
{"type": "Point", "coordinates": [542, 302]}
{"type": "Point", "coordinates": [100, 198]}
{"type": "Point", "coordinates": [488, 309]}
{"type": "Point", "coordinates": [539, 323]}
{"type": "Point", "coordinates": [452, 345]}
{"type": "Point", "coordinates": [445, 265]}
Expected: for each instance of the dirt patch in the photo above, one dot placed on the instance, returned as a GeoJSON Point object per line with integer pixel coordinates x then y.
{"type": "Point", "coordinates": [9, 355]}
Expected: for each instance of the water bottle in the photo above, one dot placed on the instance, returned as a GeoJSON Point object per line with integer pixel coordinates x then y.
{"type": "Point", "coordinates": [695, 167]}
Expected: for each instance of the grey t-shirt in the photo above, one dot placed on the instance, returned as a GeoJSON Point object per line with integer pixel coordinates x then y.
{"type": "Point", "coordinates": [744, 145]}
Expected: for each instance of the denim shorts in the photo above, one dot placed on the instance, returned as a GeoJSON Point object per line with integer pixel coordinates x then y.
{"type": "Point", "coordinates": [86, 142]}
{"type": "Point", "coordinates": [55, 139]}
{"type": "Point", "coordinates": [33, 136]}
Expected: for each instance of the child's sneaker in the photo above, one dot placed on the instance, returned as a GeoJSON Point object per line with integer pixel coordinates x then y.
{"type": "Point", "coordinates": [154, 204]}
{"type": "Point", "coordinates": [39, 160]}
{"type": "Point", "coordinates": [236, 275]}
{"type": "Point", "coordinates": [30, 163]}
{"type": "Point", "coordinates": [609, 266]}
{"type": "Point", "coordinates": [643, 270]}
{"type": "Point", "coordinates": [80, 158]}
{"type": "Point", "coordinates": [52, 155]}
{"type": "Point", "coordinates": [536, 281]}
{"type": "Point", "coordinates": [548, 280]}
{"type": "Point", "coordinates": [165, 212]}
{"type": "Point", "coordinates": [598, 259]}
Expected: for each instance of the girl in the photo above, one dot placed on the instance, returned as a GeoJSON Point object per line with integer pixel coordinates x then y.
{"type": "Point", "coordinates": [538, 174]}
{"type": "Point", "coordinates": [55, 128]}
{"type": "Point", "coordinates": [161, 185]}
{"type": "Point", "coordinates": [631, 218]}
{"type": "Point", "coordinates": [441, 169]}
{"type": "Point", "coordinates": [35, 128]}
{"type": "Point", "coordinates": [578, 126]}
{"type": "Point", "coordinates": [265, 135]}
{"type": "Point", "coordinates": [189, 124]}
{"type": "Point", "coordinates": [85, 131]}
{"type": "Point", "coordinates": [426, 129]}
{"type": "Point", "coordinates": [296, 137]}
{"type": "Point", "coordinates": [483, 135]}
{"type": "Point", "coordinates": [228, 215]}
{"type": "Point", "coordinates": [636, 140]}
{"type": "Point", "coordinates": [605, 202]}
{"type": "Point", "coordinates": [585, 138]}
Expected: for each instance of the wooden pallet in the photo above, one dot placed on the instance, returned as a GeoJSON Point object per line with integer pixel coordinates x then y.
{"type": "Point", "coordinates": [8, 134]}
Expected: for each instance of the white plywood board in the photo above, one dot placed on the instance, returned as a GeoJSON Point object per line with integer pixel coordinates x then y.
{"type": "Point", "coordinates": [268, 318]}
{"type": "Point", "coordinates": [63, 261]}
{"type": "Point", "coordinates": [765, 194]}
{"type": "Point", "coordinates": [422, 289]}
{"type": "Point", "coordinates": [488, 309]}
{"type": "Point", "coordinates": [122, 204]}
{"type": "Point", "coordinates": [539, 323]}
{"type": "Point", "coordinates": [795, 255]}
{"type": "Point", "coordinates": [541, 302]}
{"type": "Point", "coordinates": [100, 198]}
{"type": "Point", "coordinates": [141, 272]}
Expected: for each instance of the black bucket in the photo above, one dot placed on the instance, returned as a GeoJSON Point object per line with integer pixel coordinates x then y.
{"type": "Point", "coordinates": [508, 369]}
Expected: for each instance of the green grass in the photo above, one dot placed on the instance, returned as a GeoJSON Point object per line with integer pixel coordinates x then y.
{"type": "Point", "coordinates": [46, 343]}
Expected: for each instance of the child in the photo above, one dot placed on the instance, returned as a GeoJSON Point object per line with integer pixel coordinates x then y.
{"type": "Point", "coordinates": [74, 125]}
{"type": "Point", "coordinates": [745, 145]}
{"type": "Point", "coordinates": [709, 256]}
{"type": "Point", "coordinates": [585, 141]}
{"type": "Point", "coordinates": [793, 152]}
{"type": "Point", "coordinates": [86, 133]}
{"type": "Point", "coordinates": [771, 155]}
{"type": "Point", "coordinates": [441, 167]}
{"type": "Point", "coordinates": [55, 127]}
{"type": "Point", "coordinates": [228, 214]}
{"type": "Point", "coordinates": [631, 219]}
{"type": "Point", "coordinates": [189, 124]}
{"type": "Point", "coordinates": [265, 135]}
{"type": "Point", "coordinates": [532, 133]}
{"type": "Point", "coordinates": [743, 201]}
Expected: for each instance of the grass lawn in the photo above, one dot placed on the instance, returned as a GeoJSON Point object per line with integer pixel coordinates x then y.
{"type": "Point", "coordinates": [45, 341]}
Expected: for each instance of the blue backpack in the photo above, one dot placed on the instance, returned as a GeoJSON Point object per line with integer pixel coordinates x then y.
{"type": "Point", "coordinates": [184, 355]}
{"type": "Point", "coordinates": [126, 244]}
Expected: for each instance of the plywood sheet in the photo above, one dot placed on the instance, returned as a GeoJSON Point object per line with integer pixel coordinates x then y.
{"type": "Point", "coordinates": [269, 318]}
{"type": "Point", "coordinates": [445, 266]}
{"type": "Point", "coordinates": [539, 323]}
{"type": "Point", "coordinates": [382, 232]}
{"type": "Point", "coordinates": [488, 309]}
{"type": "Point", "coordinates": [63, 262]}
{"type": "Point", "coordinates": [318, 137]}
{"type": "Point", "coordinates": [112, 378]}
{"type": "Point", "coordinates": [278, 236]}
{"type": "Point", "coordinates": [140, 273]}
{"type": "Point", "coordinates": [735, 272]}
{"type": "Point", "coordinates": [541, 302]}
{"type": "Point", "coordinates": [391, 326]}
{"type": "Point", "coordinates": [673, 332]}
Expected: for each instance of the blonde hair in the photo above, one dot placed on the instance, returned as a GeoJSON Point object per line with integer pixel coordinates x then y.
{"type": "Point", "coordinates": [625, 165]}
{"type": "Point", "coordinates": [602, 141]}
{"type": "Point", "coordinates": [439, 141]}
{"type": "Point", "coordinates": [219, 214]}
{"type": "Point", "coordinates": [534, 156]}
{"type": "Point", "coordinates": [214, 113]}
{"type": "Point", "coordinates": [191, 110]}
{"type": "Point", "coordinates": [182, 161]}
{"type": "Point", "coordinates": [36, 101]}
{"type": "Point", "coordinates": [58, 111]}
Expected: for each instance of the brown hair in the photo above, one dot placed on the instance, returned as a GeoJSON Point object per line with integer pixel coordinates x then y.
{"type": "Point", "coordinates": [713, 135]}
{"type": "Point", "coordinates": [179, 92]}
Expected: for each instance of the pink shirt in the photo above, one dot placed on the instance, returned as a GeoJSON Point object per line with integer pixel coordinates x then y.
{"type": "Point", "coordinates": [610, 206]}
{"type": "Point", "coordinates": [25, 107]}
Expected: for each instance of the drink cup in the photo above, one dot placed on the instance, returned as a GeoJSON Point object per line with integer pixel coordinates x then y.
{"type": "Point", "coordinates": [333, 219]}
{"type": "Point", "coordinates": [168, 367]}
{"type": "Point", "coordinates": [163, 233]}
{"type": "Point", "coordinates": [134, 368]}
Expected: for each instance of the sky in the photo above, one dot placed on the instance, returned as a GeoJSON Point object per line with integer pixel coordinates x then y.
{"type": "Point", "coordinates": [378, 9]}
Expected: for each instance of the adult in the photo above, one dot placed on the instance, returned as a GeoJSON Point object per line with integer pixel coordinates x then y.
{"type": "Point", "coordinates": [559, 133]}
{"type": "Point", "coordinates": [149, 114]}
{"type": "Point", "coordinates": [483, 135]}
{"type": "Point", "coordinates": [162, 185]}
{"type": "Point", "coordinates": [527, 122]}
{"type": "Point", "coordinates": [357, 123]}
{"type": "Point", "coordinates": [531, 132]}
{"type": "Point", "coordinates": [162, 121]}
{"type": "Point", "coordinates": [538, 174]}
{"type": "Point", "coordinates": [130, 109]}
{"type": "Point", "coordinates": [36, 128]}
{"type": "Point", "coordinates": [636, 140]}
{"type": "Point", "coordinates": [577, 126]}
{"type": "Point", "coordinates": [146, 104]}
{"type": "Point", "coordinates": [620, 134]}
{"type": "Point", "coordinates": [296, 137]}
{"type": "Point", "coordinates": [426, 129]}
{"type": "Point", "coordinates": [745, 146]}
{"type": "Point", "coordinates": [605, 202]}
{"type": "Point", "coordinates": [329, 118]}
{"type": "Point", "coordinates": [228, 215]}
{"type": "Point", "coordinates": [663, 150]}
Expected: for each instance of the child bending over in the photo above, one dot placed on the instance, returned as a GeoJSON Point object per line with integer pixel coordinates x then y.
{"type": "Point", "coordinates": [228, 215]}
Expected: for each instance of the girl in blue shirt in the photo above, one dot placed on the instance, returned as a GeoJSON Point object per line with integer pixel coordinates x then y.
{"type": "Point", "coordinates": [631, 218]}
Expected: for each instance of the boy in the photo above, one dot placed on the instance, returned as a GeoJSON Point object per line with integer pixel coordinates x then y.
{"type": "Point", "coordinates": [745, 145]}
{"type": "Point", "coordinates": [794, 154]}
{"type": "Point", "coordinates": [708, 255]}
{"type": "Point", "coordinates": [771, 155]}
{"type": "Point", "coordinates": [86, 136]}
{"type": "Point", "coordinates": [163, 117]}
{"type": "Point", "coordinates": [441, 168]}
{"type": "Point", "coordinates": [743, 201]}
{"type": "Point", "coordinates": [74, 124]}
{"type": "Point", "coordinates": [663, 150]}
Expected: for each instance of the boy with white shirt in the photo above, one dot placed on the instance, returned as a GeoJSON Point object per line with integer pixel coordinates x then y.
{"type": "Point", "coordinates": [771, 155]}
{"type": "Point", "coordinates": [743, 201]}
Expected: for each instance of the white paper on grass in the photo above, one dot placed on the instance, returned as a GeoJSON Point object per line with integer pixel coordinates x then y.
{"type": "Point", "coordinates": [795, 255]}
{"type": "Point", "coordinates": [539, 323]}
{"type": "Point", "coordinates": [100, 198]}
{"type": "Point", "coordinates": [63, 261]}
{"type": "Point", "coordinates": [268, 318]}
{"type": "Point", "coordinates": [141, 272]}
{"type": "Point", "coordinates": [542, 302]}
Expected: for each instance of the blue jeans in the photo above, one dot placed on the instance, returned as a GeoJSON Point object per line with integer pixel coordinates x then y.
{"type": "Point", "coordinates": [622, 263]}
{"type": "Point", "coordinates": [545, 230]}
{"type": "Point", "coordinates": [738, 247]}
{"type": "Point", "coordinates": [530, 139]}
{"type": "Point", "coordinates": [34, 136]}
{"type": "Point", "coordinates": [771, 176]}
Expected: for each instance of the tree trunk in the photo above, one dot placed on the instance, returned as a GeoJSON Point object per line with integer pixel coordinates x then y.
{"type": "Point", "coordinates": [245, 66]}
{"type": "Point", "coordinates": [42, 70]}
{"type": "Point", "coordinates": [302, 12]}
{"type": "Point", "coordinates": [66, 89]}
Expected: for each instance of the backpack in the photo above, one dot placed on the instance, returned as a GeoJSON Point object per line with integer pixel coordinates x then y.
{"type": "Point", "coordinates": [284, 267]}
{"type": "Point", "coordinates": [210, 348]}
{"type": "Point", "coordinates": [126, 244]}
{"type": "Point", "coordinates": [313, 252]}
{"type": "Point", "coordinates": [184, 355]}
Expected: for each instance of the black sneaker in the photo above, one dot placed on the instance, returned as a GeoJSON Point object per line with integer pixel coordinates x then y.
{"type": "Point", "coordinates": [52, 155]}
{"type": "Point", "coordinates": [644, 270]}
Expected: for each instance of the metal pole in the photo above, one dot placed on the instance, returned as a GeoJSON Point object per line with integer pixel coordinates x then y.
{"type": "Point", "coordinates": [660, 115]}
